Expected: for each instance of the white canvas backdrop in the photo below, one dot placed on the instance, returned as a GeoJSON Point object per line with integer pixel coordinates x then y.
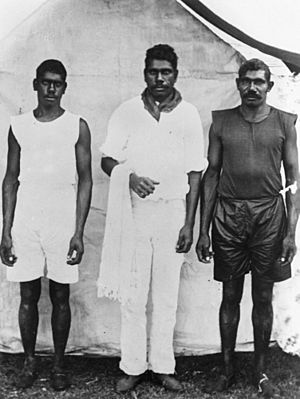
{"type": "Point", "coordinates": [102, 43]}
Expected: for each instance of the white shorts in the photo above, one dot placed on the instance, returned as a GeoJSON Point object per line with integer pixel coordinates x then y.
{"type": "Point", "coordinates": [41, 236]}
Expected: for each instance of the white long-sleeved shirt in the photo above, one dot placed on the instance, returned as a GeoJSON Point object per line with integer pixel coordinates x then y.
{"type": "Point", "coordinates": [165, 150]}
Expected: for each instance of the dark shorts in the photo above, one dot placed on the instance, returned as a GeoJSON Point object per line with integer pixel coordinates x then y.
{"type": "Point", "coordinates": [247, 236]}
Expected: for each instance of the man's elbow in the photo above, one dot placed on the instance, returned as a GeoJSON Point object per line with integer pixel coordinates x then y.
{"type": "Point", "coordinates": [212, 172]}
{"type": "Point", "coordinates": [10, 182]}
{"type": "Point", "coordinates": [88, 183]}
{"type": "Point", "coordinates": [85, 178]}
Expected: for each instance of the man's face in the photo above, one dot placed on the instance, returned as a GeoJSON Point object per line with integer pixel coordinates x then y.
{"type": "Point", "coordinates": [160, 78]}
{"type": "Point", "coordinates": [253, 88]}
{"type": "Point", "coordinates": [50, 88]}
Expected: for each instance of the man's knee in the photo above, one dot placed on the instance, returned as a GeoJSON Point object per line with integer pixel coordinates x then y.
{"type": "Point", "coordinates": [262, 298]}
{"type": "Point", "coordinates": [59, 293]}
{"type": "Point", "coordinates": [30, 291]}
{"type": "Point", "coordinates": [232, 292]}
{"type": "Point", "coordinates": [262, 293]}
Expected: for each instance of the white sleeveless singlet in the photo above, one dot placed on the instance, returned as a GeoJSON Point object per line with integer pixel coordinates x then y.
{"type": "Point", "coordinates": [47, 165]}
{"type": "Point", "coordinates": [47, 149]}
{"type": "Point", "coordinates": [45, 212]}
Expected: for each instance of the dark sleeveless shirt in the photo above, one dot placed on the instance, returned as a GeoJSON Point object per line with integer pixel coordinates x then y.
{"type": "Point", "coordinates": [252, 152]}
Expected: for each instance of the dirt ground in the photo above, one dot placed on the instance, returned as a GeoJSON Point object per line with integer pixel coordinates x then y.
{"type": "Point", "coordinates": [94, 378]}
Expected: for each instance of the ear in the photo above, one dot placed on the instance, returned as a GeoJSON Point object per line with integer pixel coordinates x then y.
{"type": "Point", "coordinates": [65, 88]}
{"type": "Point", "coordinates": [270, 85]}
{"type": "Point", "coordinates": [34, 84]}
{"type": "Point", "coordinates": [176, 74]}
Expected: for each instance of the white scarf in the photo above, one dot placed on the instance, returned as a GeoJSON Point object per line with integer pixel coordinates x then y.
{"type": "Point", "coordinates": [118, 271]}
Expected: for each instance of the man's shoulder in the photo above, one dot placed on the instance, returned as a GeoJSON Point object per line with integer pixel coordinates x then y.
{"type": "Point", "coordinates": [187, 105]}
{"type": "Point", "coordinates": [21, 121]}
{"type": "Point", "coordinates": [131, 102]}
{"type": "Point", "coordinates": [283, 113]}
{"type": "Point", "coordinates": [187, 110]}
{"type": "Point", "coordinates": [223, 117]}
{"type": "Point", "coordinates": [72, 116]}
{"type": "Point", "coordinates": [127, 107]}
{"type": "Point", "coordinates": [225, 112]}
{"type": "Point", "coordinates": [23, 116]}
{"type": "Point", "coordinates": [30, 115]}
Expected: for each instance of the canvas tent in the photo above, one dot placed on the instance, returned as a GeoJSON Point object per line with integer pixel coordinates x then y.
{"type": "Point", "coordinates": [102, 43]}
{"type": "Point", "coordinates": [289, 58]}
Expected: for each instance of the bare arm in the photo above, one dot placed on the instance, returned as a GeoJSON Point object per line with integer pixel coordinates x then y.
{"type": "Point", "coordinates": [9, 198]}
{"type": "Point", "coordinates": [84, 191]}
{"type": "Point", "coordinates": [208, 195]}
{"type": "Point", "coordinates": [290, 164]}
{"type": "Point", "coordinates": [185, 238]}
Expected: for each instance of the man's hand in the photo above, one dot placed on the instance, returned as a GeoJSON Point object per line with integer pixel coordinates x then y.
{"type": "Point", "coordinates": [7, 257]}
{"type": "Point", "coordinates": [185, 239]}
{"type": "Point", "coordinates": [288, 249]}
{"type": "Point", "coordinates": [202, 249]}
{"type": "Point", "coordinates": [142, 186]}
{"type": "Point", "coordinates": [75, 251]}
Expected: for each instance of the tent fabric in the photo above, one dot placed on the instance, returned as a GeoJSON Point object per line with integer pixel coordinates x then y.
{"type": "Point", "coordinates": [291, 59]}
{"type": "Point", "coordinates": [285, 94]}
{"type": "Point", "coordinates": [103, 43]}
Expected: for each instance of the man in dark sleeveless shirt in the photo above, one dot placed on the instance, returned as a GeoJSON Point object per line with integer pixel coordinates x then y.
{"type": "Point", "coordinates": [250, 228]}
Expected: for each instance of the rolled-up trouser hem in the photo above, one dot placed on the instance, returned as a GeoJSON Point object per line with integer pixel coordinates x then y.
{"type": "Point", "coordinates": [161, 370]}
{"type": "Point", "coordinates": [129, 371]}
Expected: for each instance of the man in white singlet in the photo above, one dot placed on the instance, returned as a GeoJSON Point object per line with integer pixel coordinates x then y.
{"type": "Point", "coordinates": [46, 198]}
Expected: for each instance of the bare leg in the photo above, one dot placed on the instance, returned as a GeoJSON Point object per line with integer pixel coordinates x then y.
{"type": "Point", "coordinates": [262, 319]}
{"type": "Point", "coordinates": [229, 320]}
{"type": "Point", "coordinates": [28, 315]}
{"type": "Point", "coordinates": [60, 320]}
{"type": "Point", "coordinates": [28, 321]}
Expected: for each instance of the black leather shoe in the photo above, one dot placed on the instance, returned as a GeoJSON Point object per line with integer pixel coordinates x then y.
{"type": "Point", "coordinates": [265, 386]}
{"type": "Point", "coordinates": [220, 384]}
{"type": "Point", "coordinates": [168, 381]}
{"type": "Point", "coordinates": [59, 380]}
{"type": "Point", "coordinates": [128, 382]}
{"type": "Point", "coordinates": [27, 376]}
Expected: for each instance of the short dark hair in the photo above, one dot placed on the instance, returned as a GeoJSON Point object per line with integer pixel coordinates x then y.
{"type": "Point", "coordinates": [54, 66]}
{"type": "Point", "coordinates": [254, 65]}
{"type": "Point", "coordinates": [161, 52]}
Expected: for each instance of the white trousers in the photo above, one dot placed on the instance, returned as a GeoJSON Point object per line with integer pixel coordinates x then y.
{"type": "Point", "coordinates": [157, 226]}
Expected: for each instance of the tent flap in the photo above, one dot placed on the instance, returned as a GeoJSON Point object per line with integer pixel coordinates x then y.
{"type": "Point", "coordinates": [291, 59]}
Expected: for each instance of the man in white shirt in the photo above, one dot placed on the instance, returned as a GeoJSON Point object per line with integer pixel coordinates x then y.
{"type": "Point", "coordinates": [158, 136]}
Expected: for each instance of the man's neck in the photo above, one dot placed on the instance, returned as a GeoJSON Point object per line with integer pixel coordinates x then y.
{"type": "Point", "coordinates": [165, 99]}
{"type": "Point", "coordinates": [255, 114]}
{"type": "Point", "coordinates": [43, 114]}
